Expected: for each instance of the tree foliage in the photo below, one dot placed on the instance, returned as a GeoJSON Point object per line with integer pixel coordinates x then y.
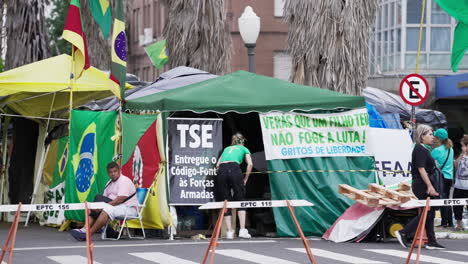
{"type": "Point", "coordinates": [328, 42]}
{"type": "Point", "coordinates": [55, 24]}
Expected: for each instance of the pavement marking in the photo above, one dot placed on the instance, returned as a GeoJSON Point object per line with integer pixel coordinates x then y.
{"type": "Point", "coordinates": [252, 257]}
{"type": "Point", "coordinates": [337, 256]}
{"type": "Point", "coordinates": [463, 253]}
{"type": "Point", "coordinates": [71, 259]}
{"type": "Point", "coordinates": [161, 258]}
{"type": "Point", "coordinates": [424, 258]}
{"type": "Point", "coordinates": [147, 244]}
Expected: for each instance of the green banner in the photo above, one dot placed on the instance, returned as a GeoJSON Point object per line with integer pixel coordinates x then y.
{"type": "Point", "coordinates": [320, 188]}
{"type": "Point", "coordinates": [91, 149]}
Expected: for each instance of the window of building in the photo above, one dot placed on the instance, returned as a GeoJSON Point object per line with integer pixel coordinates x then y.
{"type": "Point", "coordinates": [439, 61]}
{"type": "Point", "coordinates": [279, 8]}
{"type": "Point", "coordinates": [398, 40]}
{"type": "Point", "coordinates": [438, 15]}
{"type": "Point", "coordinates": [385, 16]}
{"type": "Point", "coordinates": [398, 12]}
{"type": "Point", "coordinates": [156, 17]}
{"type": "Point", "coordinates": [410, 61]}
{"type": "Point", "coordinates": [412, 38]}
{"type": "Point", "coordinates": [282, 65]}
{"type": "Point", "coordinates": [135, 25]}
{"type": "Point", "coordinates": [392, 14]}
{"type": "Point", "coordinates": [413, 12]}
{"type": "Point", "coordinates": [440, 39]}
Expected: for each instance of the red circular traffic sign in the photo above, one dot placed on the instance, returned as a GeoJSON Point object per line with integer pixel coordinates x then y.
{"type": "Point", "coordinates": [414, 89]}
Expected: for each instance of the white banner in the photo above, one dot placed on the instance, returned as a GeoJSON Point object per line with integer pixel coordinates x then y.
{"type": "Point", "coordinates": [295, 135]}
{"type": "Point", "coordinates": [55, 196]}
{"type": "Point", "coordinates": [392, 151]}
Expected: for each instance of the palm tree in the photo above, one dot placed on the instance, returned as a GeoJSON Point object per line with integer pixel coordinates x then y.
{"type": "Point", "coordinates": [197, 35]}
{"type": "Point", "coordinates": [26, 33]}
{"type": "Point", "coordinates": [328, 42]}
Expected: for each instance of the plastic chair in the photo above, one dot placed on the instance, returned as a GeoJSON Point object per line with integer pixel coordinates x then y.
{"type": "Point", "coordinates": [122, 222]}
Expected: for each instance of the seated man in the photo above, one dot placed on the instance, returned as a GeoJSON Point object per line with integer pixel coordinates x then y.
{"type": "Point", "coordinates": [121, 191]}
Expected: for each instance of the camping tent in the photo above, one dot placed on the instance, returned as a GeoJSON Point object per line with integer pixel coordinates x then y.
{"type": "Point", "coordinates": [244, 92]}
{"type": "Point", "coordinates": [172, 79]}
{"type": "Point", "coordinates": [35, 90]}
{"type": "Point", "coordinates": [47, 78]}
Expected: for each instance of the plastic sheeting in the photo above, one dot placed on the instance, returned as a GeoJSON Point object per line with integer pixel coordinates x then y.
{"type": "Point", "coordinates": [386, 102]}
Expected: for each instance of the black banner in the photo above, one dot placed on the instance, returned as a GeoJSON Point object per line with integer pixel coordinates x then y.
{"type": "Point", "coordinates": [194, 147]}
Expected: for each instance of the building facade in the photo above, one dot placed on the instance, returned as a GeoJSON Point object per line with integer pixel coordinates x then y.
{"type": "Point", "coordinates": [146, 19]}
{"type": "Point", "coordinates": [393, 52]}
{"type": "Point", "coordinates": [395, 39]}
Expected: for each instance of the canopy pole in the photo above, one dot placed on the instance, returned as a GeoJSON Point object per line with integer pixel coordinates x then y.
{"type": "Point", "coordinates": [72, 84]}
{"type": "Point", "coordinates": [3, 173]}
{"type": "Point", "coordinates": [42, 150]}
{"type": "Point", "coordinates": [40, 141]}
{"type": "Point", "coordinates": [35, 117]}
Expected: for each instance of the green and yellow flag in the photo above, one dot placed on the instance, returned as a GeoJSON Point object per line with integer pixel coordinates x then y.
{"type": "Point", "coordinates": [90, 150]}
{"type": "Point", "coordinates": [157, 53]}
{"type": "Point", "coordinates": [458, 9]}
{"type": "Point", "coordinates": [73, 33]}
{"type": "Point", "coordinates": [102, 14]}
{"type": "Point", "coordinates": [119, 54]}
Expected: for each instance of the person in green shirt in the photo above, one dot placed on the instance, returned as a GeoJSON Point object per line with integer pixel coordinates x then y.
{"type": "Point", "coordinates": [443, 155]}
{"type": "Point", "coordinates": [229, 177]}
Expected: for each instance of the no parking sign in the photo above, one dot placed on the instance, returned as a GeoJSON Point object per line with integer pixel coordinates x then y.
{"type": "Point", "coordinates": [414, 89]}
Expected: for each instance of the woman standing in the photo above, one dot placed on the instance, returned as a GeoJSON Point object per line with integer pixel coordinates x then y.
{"type": "Point", "coordinates": [443, 155]}
{"type": "Point", "coordinates": [230, 177]}
{"type": "Point", "coordinates": [461, 181]}
{"type": "Point", "coordinates": [422, 164]}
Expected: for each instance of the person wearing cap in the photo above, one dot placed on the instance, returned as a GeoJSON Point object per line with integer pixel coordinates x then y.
{"type": "Point", "coordinates": [229, 177]}
{"type": "Point", "coordinates": [443, 155]}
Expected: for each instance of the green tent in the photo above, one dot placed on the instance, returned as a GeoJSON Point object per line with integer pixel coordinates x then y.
{"type": "Point", "coordinates": [245, 92]}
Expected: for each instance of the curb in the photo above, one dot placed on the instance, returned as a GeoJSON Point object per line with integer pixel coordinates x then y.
{"type": "Point", "coordinates": [450, 235]}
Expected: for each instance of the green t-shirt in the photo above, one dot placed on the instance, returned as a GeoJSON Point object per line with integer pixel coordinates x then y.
{"type": "Point", "coordinates": [234, 153]}
{"type": "Point", "coordinates": [440, 155]}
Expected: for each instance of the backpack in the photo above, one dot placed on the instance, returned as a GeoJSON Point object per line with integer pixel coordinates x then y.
{"type": "Point", "coordinates": [461, 176]}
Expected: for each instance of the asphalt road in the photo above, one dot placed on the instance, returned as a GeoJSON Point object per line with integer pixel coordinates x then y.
{"type": "Point", "coordinates": [46, 245]}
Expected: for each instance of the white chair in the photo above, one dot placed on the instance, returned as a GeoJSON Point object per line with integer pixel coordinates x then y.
{"type": "Point", "coordinates": [122, 222]}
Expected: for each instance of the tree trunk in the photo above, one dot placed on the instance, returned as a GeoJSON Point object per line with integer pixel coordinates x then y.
{"type": "Point", "coordinates": [26, 32]}
{"type": "Point", "coordinates": [328, 42]}
{"type": "Point", "coordinates": [197, 35]}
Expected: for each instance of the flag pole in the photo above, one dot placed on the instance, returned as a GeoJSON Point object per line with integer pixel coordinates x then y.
{"type": "Point", "coordinates": [72, 85]}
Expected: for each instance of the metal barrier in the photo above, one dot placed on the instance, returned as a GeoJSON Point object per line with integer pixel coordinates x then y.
{"type": "Point", "coordinates": [254, 204]}
{"type": "Point", "coordinates": [7, 247]}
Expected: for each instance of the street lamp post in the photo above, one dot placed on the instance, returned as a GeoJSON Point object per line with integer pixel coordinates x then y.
{"type": "Point", "coordinates": [249, 28]}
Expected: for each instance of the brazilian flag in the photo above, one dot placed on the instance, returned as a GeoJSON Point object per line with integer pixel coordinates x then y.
{"type": "Point", "coordinates": [91, 149]}
{"type": "Point", "coordinates": [157, 52]}
{"type": "Point", "coordinates": [119, 54]}
{"type": "Point", "coordinates": [102, 14]}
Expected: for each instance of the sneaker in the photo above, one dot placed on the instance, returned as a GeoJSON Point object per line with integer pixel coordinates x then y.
{"type": "Point", "coordinates": [244, 233]}
{"type": "Point", "coordinates": [230, 235]}
{"type": "Point", "coordinates": [402, 239]}
{"type": "Point", "coordinates": [78, 235]}
{"type": "Point", "coordinates": [434, 245]}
